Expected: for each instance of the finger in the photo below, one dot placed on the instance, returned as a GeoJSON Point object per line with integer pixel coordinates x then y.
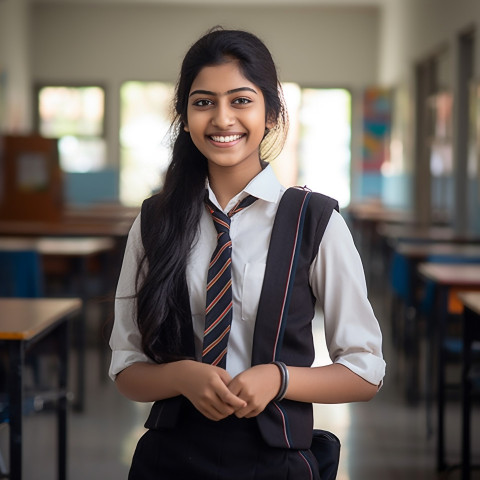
{"type": "Point", "coordinates": [216, 402]}
{"type": "Point", "coordinates": [224, 394]}
{"type": "Point", "coordinates": [243, 412]}
{"type": "Point", "coordinates": [214, 412]}
{"type": "Point", "coordinates": [233, 400]}
{"type": "Point", "coordinates": [222, 407]}
{"type": "Point", "coordinates": [248, 412]}
{"type": "Point", "coordinates": [215, 415]}
{"type": "Point", "coordinates": [235, 387]}
{"type": "Point", "coordinates": [224, 375]}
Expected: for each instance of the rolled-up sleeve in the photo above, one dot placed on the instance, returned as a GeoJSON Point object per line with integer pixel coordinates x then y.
{"type": "Point", "coordinates": [352, 332]}
{"type": "Point", "coordinates": [125, 339]}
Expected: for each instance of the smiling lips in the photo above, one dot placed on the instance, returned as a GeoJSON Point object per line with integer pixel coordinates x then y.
{"type": "Point", "coordinates": [225, 139]}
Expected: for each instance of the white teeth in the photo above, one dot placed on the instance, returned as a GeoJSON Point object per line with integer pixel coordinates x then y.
{"type": "Point", "coordinates": [230, 138]}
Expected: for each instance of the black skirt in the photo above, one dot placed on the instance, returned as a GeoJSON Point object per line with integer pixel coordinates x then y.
{"type": "Point", "coordinates": [231, 449]}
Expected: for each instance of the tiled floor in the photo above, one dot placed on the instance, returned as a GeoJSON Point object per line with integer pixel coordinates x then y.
{"type": "Point", "coordinates": [382, 439]}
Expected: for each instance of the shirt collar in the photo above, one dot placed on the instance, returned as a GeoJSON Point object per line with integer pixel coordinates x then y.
{"type": "Point", "coordinates": [264, 186]}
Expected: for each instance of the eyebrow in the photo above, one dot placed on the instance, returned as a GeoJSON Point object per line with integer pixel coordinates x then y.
{"type": "Point", "coordinates": [229, 92]}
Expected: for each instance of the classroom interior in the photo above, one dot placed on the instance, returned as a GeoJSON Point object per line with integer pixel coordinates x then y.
{"type": "Point", "coordinates": [384, 106]}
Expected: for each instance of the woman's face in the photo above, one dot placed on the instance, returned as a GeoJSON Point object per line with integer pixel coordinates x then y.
{"type": "Point", "coordinates": [226, 117]}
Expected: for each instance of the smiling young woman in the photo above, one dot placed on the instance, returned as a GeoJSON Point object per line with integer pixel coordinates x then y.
{"type": "Point", "coordinates": [228, 416]}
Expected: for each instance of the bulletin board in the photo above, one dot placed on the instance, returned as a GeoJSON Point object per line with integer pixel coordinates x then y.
{"type": "Point", "coordinates": [31, 179]}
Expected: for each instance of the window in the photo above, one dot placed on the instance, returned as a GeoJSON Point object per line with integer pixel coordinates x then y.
{"type": "Point", "coordinates": [144, 143]}
{"type": "Point", "coordinates": [75, 115]}
{"type": "Point", "coordinates": [318, 148]}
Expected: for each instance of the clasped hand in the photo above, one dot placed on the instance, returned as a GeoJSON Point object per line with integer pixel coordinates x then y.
{"type": "Point", "coordinates": [217, 395]}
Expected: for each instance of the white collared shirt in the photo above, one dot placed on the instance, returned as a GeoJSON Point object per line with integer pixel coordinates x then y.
{"type": "Point", "coordinates": [337, 279]}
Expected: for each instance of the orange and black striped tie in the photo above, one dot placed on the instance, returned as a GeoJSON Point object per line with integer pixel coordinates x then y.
{"type": "Point", "coordinates": [218, 318]}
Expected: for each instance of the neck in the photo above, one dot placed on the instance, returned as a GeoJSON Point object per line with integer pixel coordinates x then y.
{"type": "Point", "coordinates": [228, 182]}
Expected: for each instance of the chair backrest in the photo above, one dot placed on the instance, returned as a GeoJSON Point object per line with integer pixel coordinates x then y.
{"type": "Point", "coordinates": [20, 274]}
{"type": "Point", "coordinates": [400, 277]}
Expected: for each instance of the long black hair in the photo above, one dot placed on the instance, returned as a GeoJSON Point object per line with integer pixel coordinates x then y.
{"type": "Point", "coordinates": [161, 286]}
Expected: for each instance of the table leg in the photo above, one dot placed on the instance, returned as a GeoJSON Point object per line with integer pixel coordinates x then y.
{"type": "Point", "coordinates": [81, 331]}
{"type": "Point", "coordinates": [413, 332]}
{"type": "Point", "coordinates": [430, 367]}
{"type": "Point", "coordinates": [412, 354]}
{"type": "Point", "coordinates": [108, 279]}
{"type": "Point", "coordinates": [468, 335]}
{"type": "Point", "coordinates": [63, 337]}
{"type": "Point", "coordinates": [441, 318]}
{"type": "Point", "coordinates": [15, 389]}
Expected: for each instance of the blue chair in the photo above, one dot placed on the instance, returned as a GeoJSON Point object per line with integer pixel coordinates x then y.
{"type": "Point", "coordinates": [400, 271]}
{"type": "Point", "coordinates": [20, 274]}
{"type": "Point", "coordinates": [401, 296]}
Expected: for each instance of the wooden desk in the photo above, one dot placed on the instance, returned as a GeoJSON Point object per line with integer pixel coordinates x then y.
{"type": "Point", "coordinates": [22, 323]}
{"type": "Point", "coordinates": [80, 250]}
{"type": "Point", "coordinates": [414, 253]}
{"type": "Point", "coordinates": [471, 333]}
{"type": "Point", "coordinates": [67, 228]}
{"type": "Point", "coordinates": [424, 250]}
{"type": "Point", "coordinates": [445, 277]}
{"type": "Point", "coordinates": [63, 246]}
{"type": "Point", "coordinates": [101, 213]}
{"type": "Point", "coordinates": [392, 233]}
{"type": "Point", "coordinates": [375, 211]}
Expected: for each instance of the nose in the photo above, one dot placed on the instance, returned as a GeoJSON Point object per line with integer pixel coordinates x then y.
{"type": "Point", "coordinates": [223, 116]}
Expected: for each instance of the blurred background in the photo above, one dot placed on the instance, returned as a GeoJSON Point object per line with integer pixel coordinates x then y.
{"type": "Point", "coordinates": [384, 105]}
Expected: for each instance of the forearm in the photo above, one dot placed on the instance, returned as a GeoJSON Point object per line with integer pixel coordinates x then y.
{"type": "Point", "coordinates": [329, 384]}
{"type": "Point", "coordinates": [148, 382]}
{"type": "Point", "coordinates": [203, 384]}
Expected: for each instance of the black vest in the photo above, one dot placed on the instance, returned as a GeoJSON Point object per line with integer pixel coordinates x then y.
{"type": "Point", "coordinates": [283, 328]}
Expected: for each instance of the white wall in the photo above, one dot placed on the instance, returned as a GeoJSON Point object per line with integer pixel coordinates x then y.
{"type": "Point", "coordinates": [315, 46]}
{"type": "Point", "coordinates": [15, 86]}
{"type": "Point", "coordinates": [83, 43]}
{"type": "Point", "coordinates": [411, 30]}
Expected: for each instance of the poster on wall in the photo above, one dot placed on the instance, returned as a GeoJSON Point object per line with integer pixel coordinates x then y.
{"type": "Point", "coordinates": [377, 120]}
{"type": "Point", "coordinates": [400, 132]}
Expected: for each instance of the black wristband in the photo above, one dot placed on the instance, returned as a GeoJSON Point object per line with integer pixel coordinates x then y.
{"type": "Point", "coordinates": [284, 383]}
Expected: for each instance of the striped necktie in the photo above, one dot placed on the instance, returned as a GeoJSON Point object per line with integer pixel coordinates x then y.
{"type": "Point", "coordinates": [218, 318]}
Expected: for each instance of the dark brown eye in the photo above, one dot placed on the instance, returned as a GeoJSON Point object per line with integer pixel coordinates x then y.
{"type": "Point", "coordinates": [202, 103]}
{"type": "Point", "coordinates": [242, 101]}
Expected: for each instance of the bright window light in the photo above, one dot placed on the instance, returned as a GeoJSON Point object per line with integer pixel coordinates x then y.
{"type": "Point", "coordinates": [318, 148]}
{"type": "Point", "coordinates": [144, 142]}
{"type": "Point", "coordinates": [74, 115]}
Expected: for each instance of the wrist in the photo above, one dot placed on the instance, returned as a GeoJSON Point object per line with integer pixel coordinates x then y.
{"type": "Point", "coordinates": [180, 375]}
